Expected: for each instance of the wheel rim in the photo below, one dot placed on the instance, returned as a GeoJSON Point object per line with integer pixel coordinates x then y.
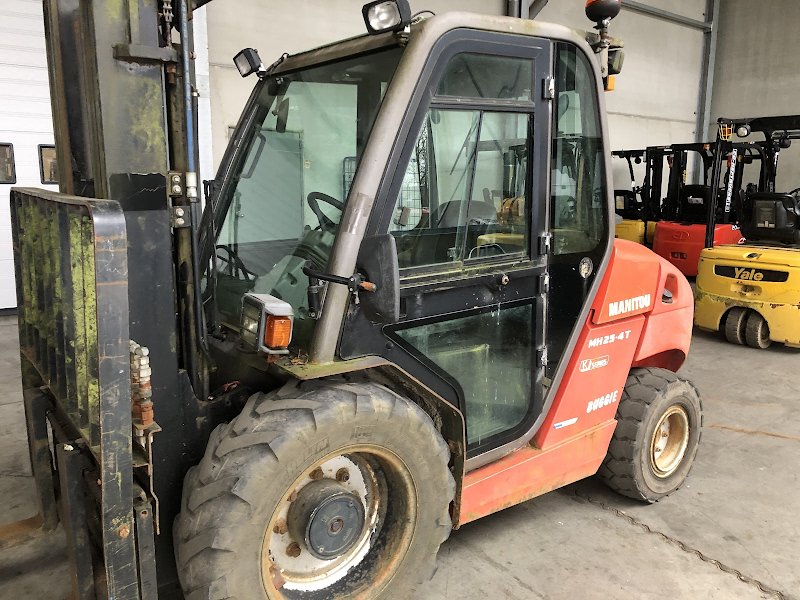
{"type": "Point", "coordinates": [669, 442]}
{"type": "Point", "coordinates": [763, 333]}
{"type": "Point", "coordinates": [371, 475]}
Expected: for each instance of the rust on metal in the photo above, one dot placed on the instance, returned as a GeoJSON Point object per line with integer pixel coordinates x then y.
{"type": "Point", "coordinates": [280, 527]}
{"type": "Point", "coordinates": [293, 550]}
{"type": "Point", "coordinates": [277, 578]}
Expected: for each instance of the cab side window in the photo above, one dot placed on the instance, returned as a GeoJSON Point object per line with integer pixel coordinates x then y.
{"type": "Point", "coordinates": [465, 188]}
{"type": "Point", "coordinates": [464, 191]}
{"type": "Point", "coordinates": [578, 187]}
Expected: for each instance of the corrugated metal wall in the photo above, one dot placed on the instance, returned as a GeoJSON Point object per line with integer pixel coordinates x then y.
{"type": "Point", "coordinates": [25, 119]}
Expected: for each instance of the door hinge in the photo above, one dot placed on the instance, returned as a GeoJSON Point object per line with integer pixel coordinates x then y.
{"type": "Point", "coordinates": [544, 283]}
{"type": "Point", "coordinates": [541, 355]}
{"type": "Point", "coordinates": [549, 88]}
{"type": "Point", "coordinates": [544, 244]}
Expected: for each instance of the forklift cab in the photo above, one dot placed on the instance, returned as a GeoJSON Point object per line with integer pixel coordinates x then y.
{"type": "Point", "coordinates": [766, 214]}
{"type": "Point", "coordinates": [479, 173]}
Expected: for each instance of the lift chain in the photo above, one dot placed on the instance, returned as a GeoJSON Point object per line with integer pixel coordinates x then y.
{"type": "Point", "coordinates": [764, 589]}
{"type": "Point", "coordinates": [168, 15]}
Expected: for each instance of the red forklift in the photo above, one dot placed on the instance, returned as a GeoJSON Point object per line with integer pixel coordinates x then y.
{"type": "Point", "coordinates": [681, 236]}
{"type": "Point", "coordinates": [301, 394]}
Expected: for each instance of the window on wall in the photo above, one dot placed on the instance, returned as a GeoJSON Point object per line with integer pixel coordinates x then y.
{"type": "Point", "coordinates": [8, 173]}
{"type": "Point", "coordinates": [578, 218]}
{"type": "Point", "coordinates": [464, 191]}
{"type": "Point", "coordinates": [48, 167]}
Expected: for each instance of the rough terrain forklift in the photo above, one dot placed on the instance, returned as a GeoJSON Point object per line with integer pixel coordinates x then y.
{"type": "Point", "coordinates": [752, 291]}
{"type": "Point", "coordinates": [681, 235]}
{"type": "Point", "coordinates": [301, 394]}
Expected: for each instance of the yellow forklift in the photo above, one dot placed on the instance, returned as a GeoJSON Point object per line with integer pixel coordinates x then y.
{"type": "Point", "coordinates": [630, 203]}
{"type": "Point", "coordinates": [751, 291]}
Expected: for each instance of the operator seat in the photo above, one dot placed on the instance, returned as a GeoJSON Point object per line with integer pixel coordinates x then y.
{"type": "Point", "coordinates": [772, 216]}
{"type": "Point", "coordinates": [694, 202]}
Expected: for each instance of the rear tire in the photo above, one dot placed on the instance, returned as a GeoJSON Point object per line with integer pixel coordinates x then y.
{"type": "Point", "coordinates": [658, 430]}
{"type": "Point", "coordinates": [735, 325]}
{"type": "Point", "coordinates": [246, 504]}
{"type": "Point", "coordinates": [757, 331]}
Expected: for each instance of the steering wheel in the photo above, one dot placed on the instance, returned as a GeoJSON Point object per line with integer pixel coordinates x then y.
{"type": "Point", "coordinates": [235, 263]}
{"type": "Point", "coordinates": [324, 221]}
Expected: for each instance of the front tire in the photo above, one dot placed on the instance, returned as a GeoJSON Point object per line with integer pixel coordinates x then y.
{"type": "Point", "coordinates": [324, 489]}
{"type": "Point", "coordinates": [658, 430]}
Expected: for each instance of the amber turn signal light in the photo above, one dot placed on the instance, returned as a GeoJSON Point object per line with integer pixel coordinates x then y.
{"type": "Point", "coordinates": [277, 331]}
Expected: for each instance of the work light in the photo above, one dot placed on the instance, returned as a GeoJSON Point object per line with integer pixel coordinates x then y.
{"type": "Point", "coordinates": [743, 130]}
{"type": "Point", "coordinates": [386, 15]}
{"type": "Point", "coordinates": [247, 61]}
{"type": "Point", "coordinates": [266, 323]}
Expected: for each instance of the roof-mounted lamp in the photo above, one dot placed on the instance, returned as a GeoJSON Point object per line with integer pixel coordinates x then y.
{"type": "Point", "coordinates": [386, 15]}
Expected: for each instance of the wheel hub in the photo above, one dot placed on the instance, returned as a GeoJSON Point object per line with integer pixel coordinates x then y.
{"type": "Point", "coordinates": [670, 440]}
{"type": "Point", "coordinates": [326, 518]}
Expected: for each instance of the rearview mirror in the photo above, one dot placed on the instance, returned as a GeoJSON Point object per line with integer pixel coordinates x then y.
{"type": "Point", "coordinates": [377, 260]}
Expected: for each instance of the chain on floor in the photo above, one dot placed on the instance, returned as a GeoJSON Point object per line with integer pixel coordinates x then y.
{"type": "Point", "coordinates": [764, 589]}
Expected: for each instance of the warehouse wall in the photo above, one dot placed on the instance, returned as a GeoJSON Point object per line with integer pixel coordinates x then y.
{"type": "Point", "coordinates": [654, 103]}
{"type": "Point", "coordinates": [757, 71]}
{"type": "Point", "coordinates": [656, 95]}
{"type": "Point", "coordinates": [25, 120]}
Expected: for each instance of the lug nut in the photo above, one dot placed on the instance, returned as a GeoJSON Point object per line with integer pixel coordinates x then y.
{"type": "Point", "coordinates": [280, 527]}
{"type": "Point", "coordinates": [293, 496]}
{"type": "Point", "coordinates": [316, 474]}
{"type": "Point", "coordinates": [343, 474]}
{"type": "Point", "coordinates": [293, 550]}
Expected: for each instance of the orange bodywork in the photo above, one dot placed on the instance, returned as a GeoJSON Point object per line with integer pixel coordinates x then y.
{"type": "Point", "coordinates": [681, 244]}
{"type": "Point", "coordinates": [630, 324]}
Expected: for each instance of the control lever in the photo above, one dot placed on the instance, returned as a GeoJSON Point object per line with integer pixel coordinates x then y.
{"type": "Point", "coordinates": [355, 284]}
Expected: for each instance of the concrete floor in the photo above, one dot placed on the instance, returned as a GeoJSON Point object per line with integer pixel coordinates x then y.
{"type": "Point", "coordinates": [740, 506]}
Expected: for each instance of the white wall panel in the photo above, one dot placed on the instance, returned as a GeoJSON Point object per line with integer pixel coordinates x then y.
{"type": "Point", "coordinates": [25, 117]}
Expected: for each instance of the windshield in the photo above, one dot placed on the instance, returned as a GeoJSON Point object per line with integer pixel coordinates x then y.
{"type": "Point", "coordinates": [288, 185]}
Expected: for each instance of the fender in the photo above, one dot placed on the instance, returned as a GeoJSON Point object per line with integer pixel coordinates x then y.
{"type": "Point", "coordinates": [639, 282]}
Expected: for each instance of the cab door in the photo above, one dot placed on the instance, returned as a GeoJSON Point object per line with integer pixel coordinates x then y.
{"type": "Point", "coordinates": [467, 206]}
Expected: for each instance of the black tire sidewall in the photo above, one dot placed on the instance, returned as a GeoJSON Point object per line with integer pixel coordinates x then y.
{"type": "Point", "coordinates": [677, 393]}
{"type": "Point", "coordinates": [265, 484]}
{"type": "Point", "coordinates": [735, 324]}
{"type": "Point", "coordinates": [754, 331]}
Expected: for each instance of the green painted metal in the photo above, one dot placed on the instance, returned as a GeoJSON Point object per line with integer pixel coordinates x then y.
{"type": "Point", "coordinates": [55, 247]}
{"type": "Point", "coordinates": [71, 261]}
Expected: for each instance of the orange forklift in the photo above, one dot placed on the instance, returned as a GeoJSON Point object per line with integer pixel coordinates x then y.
{"type": "Point", "coordinates": [300, 395]}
